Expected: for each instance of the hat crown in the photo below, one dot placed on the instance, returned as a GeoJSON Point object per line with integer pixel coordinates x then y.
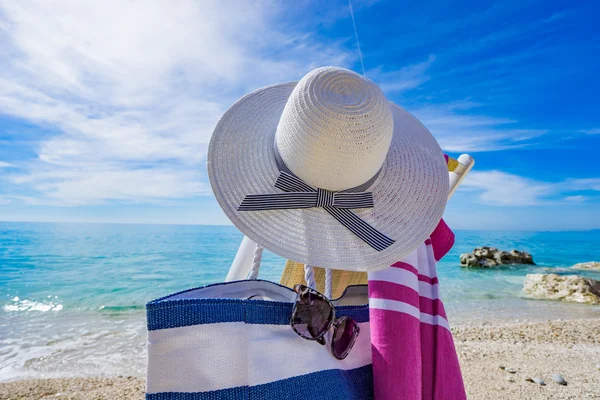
{"type": "Point", "coordinates": [335, 130]}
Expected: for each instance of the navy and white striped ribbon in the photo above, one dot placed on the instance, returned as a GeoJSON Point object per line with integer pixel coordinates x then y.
{"type": "Point", "coordinates": [300, 195]}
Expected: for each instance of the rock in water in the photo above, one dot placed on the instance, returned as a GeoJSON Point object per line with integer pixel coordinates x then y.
{"type": "Point", "coordinates": [468, 259]}
{"type": "Point", "coordinates": [571, 288]}
{"type": "Point", "coordinates": [558, 378]}
{"type": "Point", "coordinates": [486, 257]}
{"type": "Point", "coordinates": [539, 381]}
{"type": "Point", "coordinates": [592, 265]}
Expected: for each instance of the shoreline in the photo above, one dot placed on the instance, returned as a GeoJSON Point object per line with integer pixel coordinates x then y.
{"type": "Point", "coordinates": [568, 347]}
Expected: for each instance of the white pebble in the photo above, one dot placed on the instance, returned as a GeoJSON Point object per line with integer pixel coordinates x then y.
{"type": "Point", "coordinates": [510, 370]}
{"type": "Point", "coordinates": [540, 381]}
{"type": "Point", "coordinates": [558, 378]}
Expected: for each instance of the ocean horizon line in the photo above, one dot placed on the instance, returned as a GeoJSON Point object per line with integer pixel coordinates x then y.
{"type": "Point", "coordinates": [231, 225]}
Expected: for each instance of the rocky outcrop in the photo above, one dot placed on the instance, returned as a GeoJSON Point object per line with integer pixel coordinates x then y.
{"type": "Point", "coordinates": [588, 266]}
{"type": "Point", "coordinates": [485, 257]}
{"type": "Point", "coordinates": [562, 287]}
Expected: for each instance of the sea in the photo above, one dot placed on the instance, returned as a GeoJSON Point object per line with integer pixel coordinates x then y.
{"type": "Point", "coordinates": [72, 296]}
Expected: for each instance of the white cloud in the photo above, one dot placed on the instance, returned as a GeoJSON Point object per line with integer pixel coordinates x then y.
{"type": "Point", "coordinates": [406, 78]}
{"type": "Point", "coordinates": [595, 131]}
{"type": "Point", "coordinates": [13, 199]}
{"type": "Point", "coordinates": [458, 129]}
{"type": "Point", "coordinates": [576, 199]}
{"type": "Point", "coordinates": [592, 184]}
{"type": "Point", "coordinates": [66, 187]}
{"type": "Point", "coordinates": [5, 165]}
{"type": "Point", "coordinates": [134, 89]}
{"type": "Point", "coordinates": [503, 189]}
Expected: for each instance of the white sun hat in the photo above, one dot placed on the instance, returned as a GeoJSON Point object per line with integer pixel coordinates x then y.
{"type": "Point", "coordinates": [360, 181]}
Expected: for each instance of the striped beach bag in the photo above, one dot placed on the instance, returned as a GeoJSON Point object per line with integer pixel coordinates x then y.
{"type": "Point", "coordinates": [234, 341]}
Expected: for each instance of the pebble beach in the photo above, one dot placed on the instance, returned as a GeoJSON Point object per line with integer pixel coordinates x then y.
{"type": "Point", "coordinates": [570, 348]}
{"type": "Point", "coordinates": [496, 361]}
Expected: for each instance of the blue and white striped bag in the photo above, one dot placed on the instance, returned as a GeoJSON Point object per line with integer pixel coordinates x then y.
{"type": "Point", "coordinates": [234, 341]}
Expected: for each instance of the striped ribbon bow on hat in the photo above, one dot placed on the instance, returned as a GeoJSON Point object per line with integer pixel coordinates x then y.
{"type": "Point", "coordinates": [301, 195]}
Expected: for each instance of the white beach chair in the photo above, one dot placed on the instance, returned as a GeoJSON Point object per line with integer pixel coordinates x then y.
{"type": "Point", "coordinates": [244, 259]}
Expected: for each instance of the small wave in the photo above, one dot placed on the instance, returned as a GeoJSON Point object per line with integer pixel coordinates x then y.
{"type": "Point", "coordinates": [29, 305]}
{"type": "Point", "coordinates": [121, 308]}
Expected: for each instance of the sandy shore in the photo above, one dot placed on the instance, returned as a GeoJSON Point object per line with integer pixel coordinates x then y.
{"type": "Point", "coordinates": [541, 349]}
{"type": "Point", "coordinates": [569, 348]}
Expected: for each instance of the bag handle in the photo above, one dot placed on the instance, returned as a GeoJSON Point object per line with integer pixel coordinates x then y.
{"type": "Point", "coordinates": [309, 276]}
{"type": "Point", "coordinates": [258, 251]}
{"type": "Point", "coordinates": [328, 282]}
{"type": "Point", "coordinates": [309, 272]}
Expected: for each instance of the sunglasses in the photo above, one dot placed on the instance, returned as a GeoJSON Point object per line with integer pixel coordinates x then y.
{"type": "Point", "coordinates": [313, 316]}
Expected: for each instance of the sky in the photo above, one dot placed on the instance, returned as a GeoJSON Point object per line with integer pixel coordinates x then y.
{"type": "Point", "coordinates": [107, 107]}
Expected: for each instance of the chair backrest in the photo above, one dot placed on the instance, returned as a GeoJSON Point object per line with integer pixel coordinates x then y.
{"type": "Point", "coordinates": [293, 272]}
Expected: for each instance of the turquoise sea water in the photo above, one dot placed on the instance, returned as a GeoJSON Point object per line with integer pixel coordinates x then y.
{"type": "Point", "coordinates": [72, 295]}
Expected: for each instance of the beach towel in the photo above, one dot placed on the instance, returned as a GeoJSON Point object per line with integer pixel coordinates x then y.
{"type": "Point", "coordinates": [413, 351]}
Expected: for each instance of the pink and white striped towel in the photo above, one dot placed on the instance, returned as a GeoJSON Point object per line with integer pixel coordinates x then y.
{"type": "Point", "coordinates": [413, 350]}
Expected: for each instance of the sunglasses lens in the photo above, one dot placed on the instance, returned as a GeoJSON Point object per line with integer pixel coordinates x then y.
{"type": "Point", "coordinates": [344, 336]}
{"type": "Point", "coordinates": [312, 314]}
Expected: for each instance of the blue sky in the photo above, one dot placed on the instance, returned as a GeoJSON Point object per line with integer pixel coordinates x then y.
{"type": "Point", "coordinates": [106, 108]}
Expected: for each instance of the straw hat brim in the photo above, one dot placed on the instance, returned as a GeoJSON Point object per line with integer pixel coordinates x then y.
{"type": "Point", "coordinates": [410, 192]}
